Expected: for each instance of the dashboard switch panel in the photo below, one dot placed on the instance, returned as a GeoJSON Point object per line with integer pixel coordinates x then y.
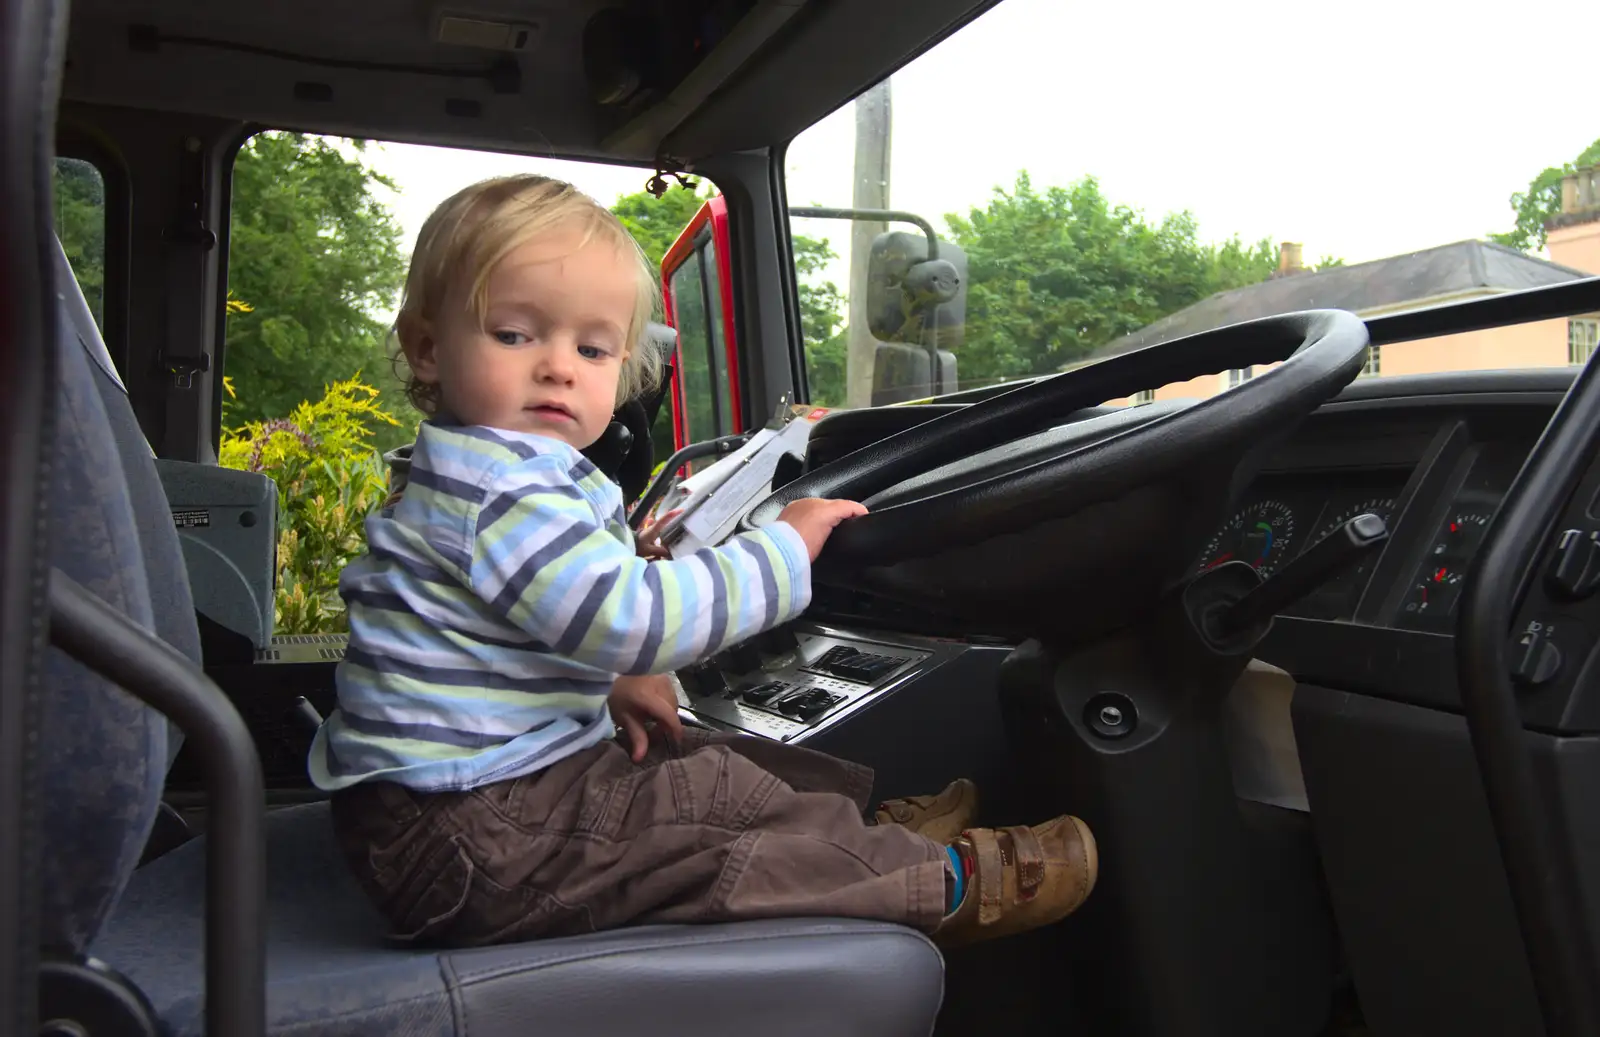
{"type": "Point", "coordinates": [782, 686]}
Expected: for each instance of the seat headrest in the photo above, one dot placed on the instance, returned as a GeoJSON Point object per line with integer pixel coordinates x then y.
{"type": "Point", "coordinates": [83, 325]}
{"type": "Point", "coordinates": [662, 337]}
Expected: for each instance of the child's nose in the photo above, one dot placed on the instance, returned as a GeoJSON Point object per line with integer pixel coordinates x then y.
{"type": "Point", "coordinates": [554, 365]}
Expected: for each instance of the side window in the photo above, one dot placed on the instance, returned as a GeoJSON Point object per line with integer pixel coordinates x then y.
{"type": "Point", "coordinates": [706, 396]}
{"type": "Point", "coordinates": [320, 231]}
{"type": "Point", "coordinates": [80, 222]}
{"type": "Point", "coordinates": [721, 377]}
{"type": "Point", "coordinates": [700, 403]}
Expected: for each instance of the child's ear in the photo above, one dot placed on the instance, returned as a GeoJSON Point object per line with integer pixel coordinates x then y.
{"type": "Point", "coordinates": [417, 343]}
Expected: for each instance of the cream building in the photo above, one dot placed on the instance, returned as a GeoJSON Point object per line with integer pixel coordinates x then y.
{"type": "Point", "coordinates": [1417, 280]}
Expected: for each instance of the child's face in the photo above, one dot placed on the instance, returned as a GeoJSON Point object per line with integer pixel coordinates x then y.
{"type": "Point", "coordinates": [548, 354]}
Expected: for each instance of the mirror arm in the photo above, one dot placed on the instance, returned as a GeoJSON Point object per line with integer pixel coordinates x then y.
{"type": "Point", "coordinates": [873, 216]}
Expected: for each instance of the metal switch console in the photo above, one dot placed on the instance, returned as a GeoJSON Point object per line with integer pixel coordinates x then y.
{"type": "Point", "coordinates": [783, 688]}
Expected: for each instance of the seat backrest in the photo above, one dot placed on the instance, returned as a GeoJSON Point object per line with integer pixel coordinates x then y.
{"type": "Point", "coordinates": [104, 755]}
{"type": "Point", "coordinates": [171, 598]}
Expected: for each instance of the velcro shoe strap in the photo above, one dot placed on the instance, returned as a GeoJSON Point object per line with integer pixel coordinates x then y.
{"type": "Point", "coordinates": [991, 869]}
{"type": "Point", "coordinates": [894, 811]}
{"type": "Point", "coordinates": [1029, 861]}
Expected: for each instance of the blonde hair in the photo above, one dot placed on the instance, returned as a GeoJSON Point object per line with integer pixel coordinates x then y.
{"type": "Point", "coordinates": [478, 226]}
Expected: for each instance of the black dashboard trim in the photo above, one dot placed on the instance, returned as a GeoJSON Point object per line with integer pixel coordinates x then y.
{"type": "Point", "coordinates": [1489, 382]}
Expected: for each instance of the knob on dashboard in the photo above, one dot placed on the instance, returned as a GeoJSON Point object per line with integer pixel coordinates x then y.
{"type": "Point", "coordinates": [777, 641]}
{"type": "Point", "coordinates": [703, 679]}
{"type": "Point", "coordinates": [741, 658]}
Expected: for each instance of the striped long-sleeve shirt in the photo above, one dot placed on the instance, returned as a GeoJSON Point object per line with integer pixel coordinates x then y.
{"type": "Point", "coordinates": [501, 596]}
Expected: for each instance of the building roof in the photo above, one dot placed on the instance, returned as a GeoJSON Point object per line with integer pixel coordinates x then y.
{"type": "Point", "coordinates": [1465, 267]}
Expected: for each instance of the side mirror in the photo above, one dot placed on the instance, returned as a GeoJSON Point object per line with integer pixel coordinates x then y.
{"type": "Point", "coordinates": [916, 303]}
{"type": "Point", "coordinates": [914, 299]}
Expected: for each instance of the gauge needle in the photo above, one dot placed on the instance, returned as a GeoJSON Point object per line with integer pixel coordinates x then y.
{"type": "Point", "coordinates": [1219, 561]}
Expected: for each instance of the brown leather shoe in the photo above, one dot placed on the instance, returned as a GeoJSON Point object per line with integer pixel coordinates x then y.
{"type": "Point", "coordinates": [940, 818]}
{"type": "Point", "coordinates": [1020, 878]}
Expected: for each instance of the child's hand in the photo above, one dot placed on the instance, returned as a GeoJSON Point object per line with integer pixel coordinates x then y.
{"type": "Point", "coordinates": [634, 700]}
{"type": "Point", "coordinates": [814, 519]}
{"type": "Point", "coordinates": [648, 540]}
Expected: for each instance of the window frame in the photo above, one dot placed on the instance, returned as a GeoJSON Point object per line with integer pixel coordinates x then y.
{"type": "Point", "coordinates": [1576, 327]}
{"type": "Point", "coordinates": [1373, 366]}
{"type": "Point", "coordinates": [708, 230]}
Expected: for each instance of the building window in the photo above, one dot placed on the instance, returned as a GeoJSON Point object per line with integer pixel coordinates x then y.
{"type": "Point", "coordinates": [1374, 364]}
{"type": "Point", "coordinates": [1582, 335]}
{"type": "Point", "coordinates": [1144, 396]}
{"type": "Point", "coordinates": [1240, 375]}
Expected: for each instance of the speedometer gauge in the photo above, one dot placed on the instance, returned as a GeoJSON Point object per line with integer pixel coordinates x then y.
{"type": "Point", "coordinates": [1259, 534]}
{"type": "Point", "coordinates": [1337, 597]}
{"type": "Point", "coordinates": [1382, 507]}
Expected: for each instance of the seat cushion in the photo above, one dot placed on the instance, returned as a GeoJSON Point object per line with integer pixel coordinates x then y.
{"type": "Point", "coordinates": [329, 972]}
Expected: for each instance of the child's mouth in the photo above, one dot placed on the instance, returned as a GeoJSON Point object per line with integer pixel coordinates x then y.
{"type": "Point", "coordinates": [550, 412]}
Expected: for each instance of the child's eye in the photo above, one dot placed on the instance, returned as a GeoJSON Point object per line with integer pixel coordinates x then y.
{"type": "Point", "coordinates": [591, 352]}
{"type": "Point", "coordinates": [510, 338]}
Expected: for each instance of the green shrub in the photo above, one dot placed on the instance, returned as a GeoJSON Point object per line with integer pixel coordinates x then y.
{"type": "Point", "coordinates": [330, 478]}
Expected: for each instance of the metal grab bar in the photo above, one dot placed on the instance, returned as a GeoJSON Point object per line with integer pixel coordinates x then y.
{"type": "Point", "coordinates": [719, 447]}
{"type": "Point", "coordinates": [110, 644]}
{"type": "Point", "coordinates": [1543, 891]}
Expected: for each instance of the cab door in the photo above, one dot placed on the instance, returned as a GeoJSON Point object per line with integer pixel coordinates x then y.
{"type": "Point", "coordinates": [697, 290]}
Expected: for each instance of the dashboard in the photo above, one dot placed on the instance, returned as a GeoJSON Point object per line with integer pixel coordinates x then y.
{"type": "Point", "coordinates": [1434, 455]}
{"type": "Point", "coordinates": [1437, 505]}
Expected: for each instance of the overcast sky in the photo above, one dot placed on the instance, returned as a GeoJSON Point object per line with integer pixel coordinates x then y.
{"type": "Point", "coordinates": [1362, 129]}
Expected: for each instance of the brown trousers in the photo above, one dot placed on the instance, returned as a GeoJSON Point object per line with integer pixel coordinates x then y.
{"type": "Point", "coordinates": [719, 828]}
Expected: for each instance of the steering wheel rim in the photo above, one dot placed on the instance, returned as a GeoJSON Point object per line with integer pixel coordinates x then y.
{"type": "Point", "coordinates": [1321, 351]}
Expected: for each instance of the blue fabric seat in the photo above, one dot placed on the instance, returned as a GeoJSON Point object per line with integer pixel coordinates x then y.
{"type": "Point", "coordinates": [329, 972]}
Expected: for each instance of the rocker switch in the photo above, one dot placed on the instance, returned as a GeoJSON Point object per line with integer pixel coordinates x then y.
{"type": "Point", "coordinates": [1575, 570]}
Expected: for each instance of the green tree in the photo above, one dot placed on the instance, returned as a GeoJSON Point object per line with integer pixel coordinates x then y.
{"type": "Point", "coordinates": [1054, 274]}
{"type": "Point", "coordinates": [655, 223]}
{"type": "Point", "coordinates": [315, 252]}
{"type": "Point", "coordinates": [821, 322]}
{"type": "Point", "coordinates": [1540, 202]}
{"type": "Point", "coordinates": [80, 219]}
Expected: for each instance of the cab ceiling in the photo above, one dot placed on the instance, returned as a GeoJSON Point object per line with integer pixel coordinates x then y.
{"type": "Point", "coordinates": [376, 68]}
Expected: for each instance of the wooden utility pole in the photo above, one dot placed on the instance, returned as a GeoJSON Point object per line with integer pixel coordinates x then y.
{"type": "Point", "coordinates": [874, 126]}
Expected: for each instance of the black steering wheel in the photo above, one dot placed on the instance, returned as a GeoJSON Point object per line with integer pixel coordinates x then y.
{"type": "Point", "coordinates": [979, 515]}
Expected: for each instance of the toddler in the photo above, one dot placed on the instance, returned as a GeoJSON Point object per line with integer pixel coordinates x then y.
{"type": "Point", "coordinates": [492, 775]}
